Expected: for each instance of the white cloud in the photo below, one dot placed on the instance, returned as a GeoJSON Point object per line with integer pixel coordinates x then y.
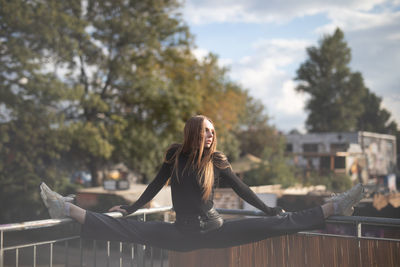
{"type": "Point", "coordinates": [200, 53]}
{"type": "Point", "coordinates": [266, 68]}
{"type": "Point", "coordinates": [354, 20]}
{"type": "Point", "coordinates": [392, 104]}
{"type": "Point", "coordinates": [225, 62]}
{"type": "Point", "coordinates": [291, 102]}
{"type": "Point", "coordinates": [394, 36]}
{"type": "Point", "coordinates": [257, 11]}
{"type": "Point", "coordinates": [269, 76]}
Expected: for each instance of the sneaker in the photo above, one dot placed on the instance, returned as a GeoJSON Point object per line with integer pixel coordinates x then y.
{"type": "Point", "coordinates": [343, 204]}
{"type": "Point", "coordinates": [54, 202]}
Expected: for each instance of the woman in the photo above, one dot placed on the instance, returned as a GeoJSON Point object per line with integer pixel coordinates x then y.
{"type": "Point", "coordinates": [193, 168]}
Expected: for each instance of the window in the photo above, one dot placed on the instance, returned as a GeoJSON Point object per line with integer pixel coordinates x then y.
{"type": "Point", "coordinates": [310, 147]}
{"type": "Point", "coordinates": [289, 147]}
{"type": "Point", "coordinates": [325, 163]}
{"type": "Point", "coordinates": [340, 162]}
{"type": "Point", "coordinates": [339, 147]}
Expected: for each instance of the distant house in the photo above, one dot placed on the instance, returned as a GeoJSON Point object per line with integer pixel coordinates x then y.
{"type": "Point", "coordinates": [362, 155]}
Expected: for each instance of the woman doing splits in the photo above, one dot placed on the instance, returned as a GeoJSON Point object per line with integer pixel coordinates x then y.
{"type": "Point", "coordinates": [192, 169]}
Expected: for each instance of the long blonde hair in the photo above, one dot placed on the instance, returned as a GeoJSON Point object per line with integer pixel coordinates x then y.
{"type": "Point", "coordinates": [202, 159]}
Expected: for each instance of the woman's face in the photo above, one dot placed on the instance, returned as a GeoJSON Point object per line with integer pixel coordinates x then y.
{"type": "Point", "coordinates": [209, 133]}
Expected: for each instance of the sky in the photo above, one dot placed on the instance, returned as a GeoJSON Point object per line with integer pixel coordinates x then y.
{"type": "Point", "coordinates": [263, 43]}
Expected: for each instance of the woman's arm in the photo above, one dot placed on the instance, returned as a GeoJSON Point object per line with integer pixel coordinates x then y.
{"type": "Point", "coordinates": [246, 193]}
{"type": "Point", "coordinates": [152, 189]}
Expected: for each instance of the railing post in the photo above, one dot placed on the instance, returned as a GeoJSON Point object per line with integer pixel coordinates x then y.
{"type": "Point", "coordinates": [16, 257]}
{"type": "Point", "coordinates": [81, 252]}
{"type": "Point", "coordinates": [51, 255]}
{"type": "Point", "coordinates": [120, 254]}
{"type": "Point", "coordinates": [359, 235]}
{"type": "Point", "coordinates": [108, 253]}
{"type": "Point", "coordinates": [34, 256]}
{"type": "Point", "coordinates": [132, 254]}
{"type": "Point", "coordinates": [166, 216]}
{"type": "Point", "coordinates": [66, 253]}
{"type": "Point", "coordinates": [1, 250]}
{"type": "Point", "coordinates": [141, 255]}
{"type": "Point", "coordinates": [143, 250]}
{"type": "Point", "coordinates": [151, 257]}
{"type": "Point", "coordinates": [162, 257]}
{"type": "Point", "coordinates": [94, 253]}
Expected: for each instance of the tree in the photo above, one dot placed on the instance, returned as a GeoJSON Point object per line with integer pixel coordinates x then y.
{"type": "Point", "coordinates": [375, 118]}
{"type": "Point", "coordinates": [335, 91]}
{"type": "Point", "coordinates": [254, 131]}
{"type": "Point", "coordinates": [79, 81]}
{"type": "Point", "coordinates": [378, 119]}
{"type": "Point", "coordinates": [30, 152]}
{"type": "Point", "coordinates": [274, 167]}
{"type": "Point", "coordinates": [107, 57]}
{"type": "Point", "coordinates": [85, 84]}
{"type": "Point", "coordinates": [32, 135]}
{"type": "Point", "coordinates": [259, 138]}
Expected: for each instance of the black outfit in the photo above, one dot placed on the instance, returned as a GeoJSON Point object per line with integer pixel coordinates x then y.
{"type": "Point", "coordinates": [197, 224]}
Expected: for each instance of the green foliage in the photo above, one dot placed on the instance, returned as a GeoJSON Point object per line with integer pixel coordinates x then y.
{"type": "Point", "coordinates": [374, 118]}
{"type": "Point", "coordinates": [85, 84]}
{"type": "Point", "coordinates": [333, 181]}
{"type": "Point", "coordinates": [254, 132]}
{"type": "Point", "coordinates": [30, 152]}
{"type": "Point", "coordinates": [273, 169]}
{"type": "Point", "coordinates": [76, 78]}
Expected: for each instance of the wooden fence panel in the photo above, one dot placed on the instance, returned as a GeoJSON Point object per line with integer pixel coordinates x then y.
{"type": "Point", "coordinates": [296, 250]}
{"type": "Point", "coordinates": [380, 253]}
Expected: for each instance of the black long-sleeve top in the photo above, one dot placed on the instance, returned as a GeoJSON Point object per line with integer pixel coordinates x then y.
{"type": "Point", "coordinates": [187, 193]}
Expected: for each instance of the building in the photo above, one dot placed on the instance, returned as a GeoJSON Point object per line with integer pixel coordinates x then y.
{"type": "Point", "coordinates": [362, 155]}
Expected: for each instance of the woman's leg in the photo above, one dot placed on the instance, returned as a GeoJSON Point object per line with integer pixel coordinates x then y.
{"type": "Point", "coordinates": [327, 209]}
{"type": "Point", "coordinates": [128, 229]}
{"type": "Point", "coordinates": [243, 231]}
{"type": "Point", "coordinates": [76, 213]}
{"type": "Point", "coordinates": [248, 230]}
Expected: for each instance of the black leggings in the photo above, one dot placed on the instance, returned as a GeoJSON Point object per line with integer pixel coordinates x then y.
{"type": "Point", "coordinates": [167, 236]}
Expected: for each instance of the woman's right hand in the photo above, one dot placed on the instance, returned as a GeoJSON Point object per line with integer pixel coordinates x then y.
{"type": "Point", "coordinates": [119, 209]}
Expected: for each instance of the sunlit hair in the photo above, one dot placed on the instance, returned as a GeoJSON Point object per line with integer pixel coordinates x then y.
{"type": "Point", "coordinates": [202, 159]}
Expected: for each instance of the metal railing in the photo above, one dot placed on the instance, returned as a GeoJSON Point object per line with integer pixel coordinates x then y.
{"type": "Point", "coordinates": [137, 254]}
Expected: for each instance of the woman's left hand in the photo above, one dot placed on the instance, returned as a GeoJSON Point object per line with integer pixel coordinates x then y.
{"type": "Point", "coordinates": [279, 211]}
{"type": "Point", "coordinates": [118, 208]}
